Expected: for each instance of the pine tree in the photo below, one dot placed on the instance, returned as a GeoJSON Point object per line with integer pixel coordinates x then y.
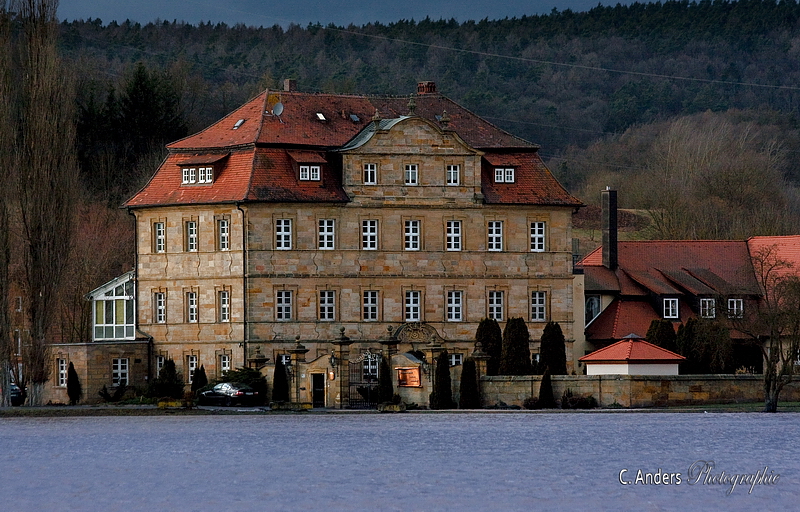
{"type": "Point", "coordinates": [442, 396]}
{"type": "Point", "coordinates": [661, 333]}
{"type": "Point", "coordinates": [469, 393]}
{"type": "Point", "coordinates": [199, 380]}
{"type": "Point", "coordinates": [385, 388]}
{"type": "Point", "coordinates": [515, 358]}
{"type": "Point", "coordinates": [491, 337]}
{"type": "Point", "coordinates": [280, 383]}
{"type": "Point", "coordinates": [552, 351]}
{"type": "Point", "coordinates": [168, 384]}
{"type": "Point", "coordinates": [74, 388]}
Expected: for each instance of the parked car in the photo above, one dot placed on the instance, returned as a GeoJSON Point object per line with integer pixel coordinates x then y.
{"type": "Point", "coordinates": [15, 395]}
{"type": "Point", "coordinates": [229, 393]}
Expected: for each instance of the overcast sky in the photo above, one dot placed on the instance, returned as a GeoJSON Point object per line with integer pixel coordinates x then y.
{"type": "Point", "coordinates": [302, 12]}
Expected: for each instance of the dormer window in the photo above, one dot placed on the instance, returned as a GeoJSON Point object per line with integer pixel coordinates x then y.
{"type": "Point", "coordinates": [309, 173]}
{"type": "Point", "coordinates": [670, 308]}
{"type": "Point", "coordinates": [708, 308]}
{"type": "Point", "coordinates": [504, 175]}
{"type": "Point", "coordinates": [189, 176]}
{"type": "Point", "coordinates": [199, 175]}
{"type": "Point", "coordinates": [205, 175]}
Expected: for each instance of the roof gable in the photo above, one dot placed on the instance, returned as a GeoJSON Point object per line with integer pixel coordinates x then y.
{"type": "Point", "coordinates": [632, 351]}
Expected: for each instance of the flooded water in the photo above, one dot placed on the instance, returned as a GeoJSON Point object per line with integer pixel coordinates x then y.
{"type": "Point", "coordinates": [480, 461]}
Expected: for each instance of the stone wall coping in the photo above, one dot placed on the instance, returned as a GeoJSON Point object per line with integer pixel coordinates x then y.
{"type": "Point", "coordinates": [589, 378]}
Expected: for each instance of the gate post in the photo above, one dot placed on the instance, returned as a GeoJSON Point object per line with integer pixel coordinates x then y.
{"type": "Point", "coordinates": [481, 358]}
{"type": "Point", "coordinates": [342, 349]}
{"type": "Point", "coordinates": [299, 356]}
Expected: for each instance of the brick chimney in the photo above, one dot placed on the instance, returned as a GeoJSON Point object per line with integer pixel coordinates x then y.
{"type": "Point", "coordinates": [290, 85]}
{"type": "Point", "coordinates": [426, 88]}
{"type": "Point", "coordinates": [608, 201]}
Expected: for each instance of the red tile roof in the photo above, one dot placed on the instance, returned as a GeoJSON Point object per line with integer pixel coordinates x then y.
{"type": "Point", "coordinates": [632, 351]}
{"type": "Point", "coordinates": [785, 248]}
{"type": "Point", "coordinates": [620, 319]}
{"type": "Point", "coordinates": [534, 183]}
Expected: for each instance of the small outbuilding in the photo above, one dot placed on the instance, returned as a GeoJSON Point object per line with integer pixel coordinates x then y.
{"type": "Point", "coordinates": [632, 356]}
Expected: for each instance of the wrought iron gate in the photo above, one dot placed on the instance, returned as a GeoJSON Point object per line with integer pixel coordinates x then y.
{"type": "Point", "coordinates": [364, 381]}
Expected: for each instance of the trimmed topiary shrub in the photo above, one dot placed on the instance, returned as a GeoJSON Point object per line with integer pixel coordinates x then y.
{"type": "Point", "coordinates": [552, 351]}
{"type": "Point", "coordinates": [442, 396]}
{"type": "Point", "coordinates": [385, 387]}
{"type": "Point", "coordinates": [469, 394]}
{"type": "Point", "coordinates": [515, 357]}
{"type": "Point", "coordinates": [74, 389]}
{"type": "Point", "coordinates": [546, 398]}
{"type": "Point", "coordinates": [199, 380]}
{"type": "Point", "coordinates": [280, 383]}
{"type": "Point", "coordinates": [491, 337]}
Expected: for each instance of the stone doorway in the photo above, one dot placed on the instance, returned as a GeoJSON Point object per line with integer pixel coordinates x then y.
{"type": "Point", "coordinates": [318, 390]}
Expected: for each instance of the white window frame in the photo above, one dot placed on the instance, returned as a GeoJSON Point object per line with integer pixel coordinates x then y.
{"type": "Point", "coordinates": [671, 308]}
{"type": "Point", "coordinates": [411, 174]}
{"type": "Point", "coordinates": [224, 363]}
{"type": "Point", "coordinates": [370, 305]}
{"type": "Point", "coordinates": [369, 235]}
{"type": "Point", "coordinates": [283, 234]}
{"type": "Point", "coordinates": [224, 234]}
{"type": "Point", "coordinates": [538, 230]}
{"type": "Point", "coordinates": [327, 305]}
{"type": "Point", "coordinates": [224, 306]}
{"type": "Point", "coordinates": [191, 367]}
{"type": "Point", "coordinates": [453, 175]}
{"type": "Point", "coordinates": [453, 235]}
{"type": "Point", "coordinates": [495, 302]}
{"type": "Point", "coordinates": [370, 174]}
{"type": "Point", "coordinates": [412, 310]}
{"type": "Point", "coordinates": [114, 313]}
{"type": "Point", "coordinates": [185, 176]}
{"type": "Point", "coordinates": [455, 306]}
{"type": "Point", "coordinates": [735, 308]}
{"type": "Point", "coordinates": [708, 307]}
{"type": "Point", "coordinates": [309, 173]}
{"type": "Point", "coordinates": [538, 306]}
{"type": "Point", "coordinates": [191, 307]}
{"type": "Point", "coordinates": [456, 359]}
{"type": "Point", "coordinates": [61, 367]}
{"type": "Point", "coordinates": [326, 234]}
{"type": "Point", "coordinates": [283, 305]}
{"type": "Point", "coordinates": [412, 235]}
{"type": "Point", "coordinates": [205, 175]}
{"type": "Point", "coordinates": [160, 307]}
{"type": "Point", "coordinates": [504, 175]}
{"type": "Point", "coordinates": [189, 176]}
{"type": "Point", "coordinates": [494, 235]}
{"type": "Point", "coordinates": [160, 233]}
{"type": "Point", "coordinates": [119, 371]}
{"type": "Point", "coordinates": [191, 236]}
{"type": "Point", "coordinates": [160, 360]}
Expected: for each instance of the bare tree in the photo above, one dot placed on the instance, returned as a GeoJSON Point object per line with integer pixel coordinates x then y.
{"type": "Point", "coordinates": [775, 323]}
{"type": "Point", "coordinates": [6, 159]}
{"type": "Point", "coordinates": [46, 180]}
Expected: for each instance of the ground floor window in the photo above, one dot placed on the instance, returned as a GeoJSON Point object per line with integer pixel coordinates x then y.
{"type": "Point", "coordinates": [62, 372]}
{"type": "Point", "coordinates": [119, 371]}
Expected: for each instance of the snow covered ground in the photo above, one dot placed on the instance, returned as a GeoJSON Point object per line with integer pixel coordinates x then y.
{"type": "Point", "coordinates": [481, 461]}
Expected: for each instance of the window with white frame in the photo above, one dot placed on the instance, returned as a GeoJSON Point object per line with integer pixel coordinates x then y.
{"type": "Point", "coordinates": [224, 306]}
{"type": "Point", "coordinates": [191, 307]}
{"type": "Point", "coordinates": [453, 235]}
{"type": "Point", "coordinates": [369, 235]}
{"type": "Point", "coordinates": [191, 236]}
{"type": "Point", "coordinates": [455, 306]}
{"type": "Point", "coordinates": [119, 371]}
{"type": "Point", "coordinates": [670, 308]}
{"type": "Point", "coordinates": [537, 236]}
{"type": "Point", "coordinates": [189, 176]}
{"type": "Point", "coordinates": [735, 308]}
{"type": "Point", "coordinates": [496, 305]}
{"type": "Point", "coordinates": [191, 367]}
{"type": "Point", "coordinates": [453, 175]}
{"type": "Point", "coordinates": [283, 234]}
{"type": "Point", "coordinates": [205, 175]}
{"type": "Point", "coordinates": [370, 306]}
{"type": "Point", "coordinates": [309, 173]}
{"type": "Point", "coordinates": [159, 237]}
{"type": "Point", "coordinates": [114, 312]}
{"type": "Point", "coordinates": [592, 308]}
{"type": "Point", "coordinates": [494, 232]}
{"type": "Point", "coordinates": [538, 306]}
{"type": "Point", "coordinates": [708, 308]}
{"type": "Point", "coordinates": [370, 174]}
{"type": "Point", "coordinates": [327, 305]}
{"type": "Point", "coordinates": [412, 174]}
{"type": "Point", "coordinates": [283, 305]}
{"type": "Point", "coordinates": [412, 306]}
{"type": "Point", "coordinates": [412, 235]}
{"type": "Point", "coordinates": [456, 359]}
{"type": "Point", "coordinates": [160, 307]}
{"type": "Point", "coordinates": [224, 234]}
{"type": "Point", "coordinates": [160, 360]}
{"type": "Point", "coordinates": [224, 363]}
{"type": "Point", "coordinates": [326, 234]}
{"type": "Point", "coordinates": [504, 175]}
{"type": "Point", "coordinates": [61, 367]}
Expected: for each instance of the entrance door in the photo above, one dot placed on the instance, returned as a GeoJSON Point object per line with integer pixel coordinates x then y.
{"type": "Point", "coordinates": [318, 389]}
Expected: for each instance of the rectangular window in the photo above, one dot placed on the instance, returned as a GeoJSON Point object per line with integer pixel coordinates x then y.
{"type": "Point", "coordinates": [224, 363]}
{"type": "Point", "coordinates": [369, 235]}
{"type": "Point", "coordinates": [537, 236]}
{"type": "Point", "coordinates": [160, 360]}
{"type": "Point", "coordinates": [456, 359]}
{"type": "Point", "coordinates": [735, 308]}
{"type": "Point", "coordinates": [455, 306]}
{"type": "Point", "coordinates": [412, 235]}
{"type": "Point", "coordinates": [185, 179]}
{"type": "Point", "coordinates": [370, 174]}
{"type": "Point", "coordinates": [453, 175]}
{"type": "Point", "coordinates": [191, 367]}
{"type": "Point", "coordinates": [413, 306]}
{"type": "Point", "coordinates": [504, 175]}
{"type": "Point", "coordinates": [496, 306]}
{"type": "Point", "coordinates": [224, 234]}
{"type": "Point", "coordinates": [370, 307]}
{"type": "Point", "coordinates": [159, 237]}
{"type": "Point", "coordinates": [191, 236]}
{"type": "Point", "coordinates": [61, 366]}
{"type": "Point", "coordinates": [191, 307]}
{"type": "Point", "coordinates": [283, 234]}
{"type": "Point", "coordinates": [309, 173]}
{"type": "Point", "coordinates": [453, 235]}
{"type": "Point", "coordinates": [327, 305]}
{"type": "Point", "coordinates": [206, 175]}
{"type": "Point", "coordinates": [160, 307]}
{"type": "Point", "coordinates": [283, 305]}
{"type": "Point", "coordinates": [494, 232]}
{"type": "Point", "coordinates": [224, 306]}
{"type": "Point", "coordinates": [592, 307]}
{"type": "Point", "coordinates": [708, 308]}
{"type": "Point", "coordinates": [326, 232]}
{"type": "Point", "coordinates": [412, 174]}
{"type": "Point", "coordinates": [670, 308]}
{"type": "Point", "coordinates": [119, 371]}
{"type": "Point", "coordinates": [538, 307]}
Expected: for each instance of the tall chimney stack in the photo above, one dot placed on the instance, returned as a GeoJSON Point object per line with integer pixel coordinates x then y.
{"type": "Point", "coordinates": [608, 201]}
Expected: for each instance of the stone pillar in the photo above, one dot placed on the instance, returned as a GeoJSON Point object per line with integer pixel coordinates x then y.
{"type": "Point", "coordinates": [341, 350]}
{"type": "Point", "coordinates": [481, 359]}
{"type": "Point", "coordinates": [389, 343]}
{"type": "Point", "coordinates": [298, 356]}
